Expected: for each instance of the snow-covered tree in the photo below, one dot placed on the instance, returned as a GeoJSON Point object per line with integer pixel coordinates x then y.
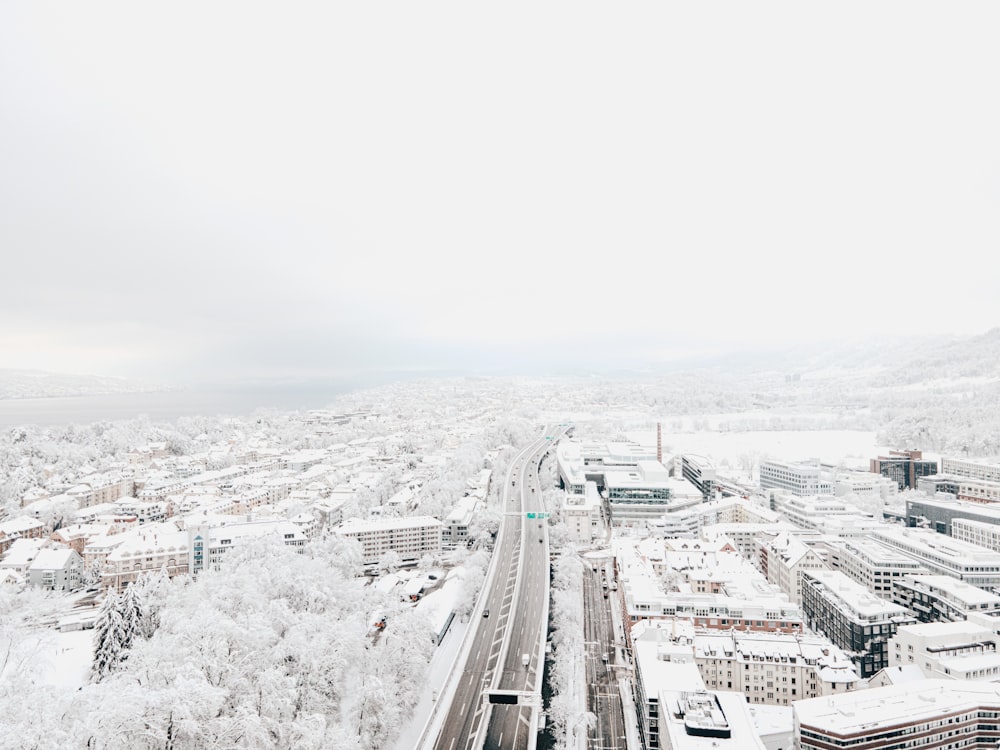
{"type": "Point", "coordinates": [111, 642]}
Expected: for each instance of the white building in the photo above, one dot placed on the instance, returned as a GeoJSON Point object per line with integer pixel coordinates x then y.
{"type": "Point", "coordinates": [773, 668]}
{"type": "Point", "coordinates": [962, 467]}
{"type": "Point", "coordinates": [209, 546]}
{"type": "Point", "coordinates": [21, 554]}
{"type": "Point", "coordinates": [56, 569]}
{"type": "Point", "coordinates": [146, 549]}
{"type": "Point", "coordinates": [980, 533]}
{"type": "Point", "coordinates": [675, 709]}
{"type": "Point", "coordinates": [455, 531]}
{"type": "Point", "coordinates": [953, 650]}
{"type": "Point", "coordinates": [582, 514]}
{"type": "Point", "coordinates": [813, 512]}
{"type": "Point", "coordinates": [873, 565]}
{"type": "Point", "coordinates": [787, 556]}
{"type": "Point", "coordinates": [105, 488]}
{"type": "Point", "coordinates": [796, 478]}
{"type": "Point", "coordinates": [944, 555]}
{"type": "Point", "coordinates": [411, 538]}
{"type": "Point", "coordinates": [712, 589]}
{"type": "Point", "coordinates": [863, 484]}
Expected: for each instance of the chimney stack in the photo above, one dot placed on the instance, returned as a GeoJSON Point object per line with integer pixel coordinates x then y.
{"type": "Point", "coordinates": [659, 443]}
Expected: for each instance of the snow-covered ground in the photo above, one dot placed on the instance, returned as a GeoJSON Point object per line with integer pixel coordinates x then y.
{"type": "Point", "coordinates": [437, 602]}
{"type": "Point", "coordinates": [853, 448]}
{"type": "Point", "coordinates": [66, 658]}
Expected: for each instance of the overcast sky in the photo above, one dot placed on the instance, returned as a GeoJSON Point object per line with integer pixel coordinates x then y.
{"type": "Point", "coordinates": [195, 190]}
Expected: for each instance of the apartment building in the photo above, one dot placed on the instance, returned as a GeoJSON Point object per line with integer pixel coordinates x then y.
{"type": "Point", "coordinates": [56, 569]}
{"type": "Point", "coordinates": [745, 536]}
{"type": "Point", "coordinates": [20, 527]}
{"type": "Point", "coordinates": [852, 617]}
{"type": "Point", "coordinates": [699, 472]}
{"type": "Point", "coordinates": [106, 488]}
{"type": "Point", "coordinates": [582, 514]}
{"type": "Point", "coordinates": [208, 547]}
{"type": "Point", "coordinates": [455, 529]}
{"type": "Point", "coordinates": [786, 557]}
{"type": "Point", "coordinates": [713, 590]}
{"type": "Point", "coordinates": [961, 488]}
{"type": "Point", "coordinates": [814, 512]}
{"type": "Point", "coordinates": [146, 549]}
{"type": "Point", "coordinates": [411, 538]}
{"type": "Point", "coordinates": [675, 710]}
{"type": "Point", "coordinates": [773, 668]}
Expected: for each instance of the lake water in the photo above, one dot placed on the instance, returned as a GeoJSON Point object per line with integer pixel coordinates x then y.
{"type": "Point", "coordinates": [166, 405]}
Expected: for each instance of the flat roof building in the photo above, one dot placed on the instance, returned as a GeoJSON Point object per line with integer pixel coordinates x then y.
{"type": "Point", "coordinates": [852, 617]}
{"type": "Point", "coordinates": [903, 467]}
{"type": "Point", "coordinates": [938, 598]}
{"type": "Point", "coordinates": [940, 512]}
{"type": "Point", "coordinates": [944, 555]}
{"type": "Point", "coordinates": [952, 650]}
{"type": "Point", "coordinates": [964, 467]}
{"type": "Point", "coordinates": [873, 565]}
{"type": "Point", "coordinates": [930, 713]}
{"type": "Point", "coordinates": [411, 538]}
{"type": "Point", "coordinates": [795, 478]}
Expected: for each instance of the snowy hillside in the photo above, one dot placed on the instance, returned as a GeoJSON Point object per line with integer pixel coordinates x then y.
{"type": "Point", "coordinates": [40, 384]}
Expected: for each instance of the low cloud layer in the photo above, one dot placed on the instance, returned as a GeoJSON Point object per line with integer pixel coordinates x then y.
{"type": "Point", "coordinates": [244, 189]}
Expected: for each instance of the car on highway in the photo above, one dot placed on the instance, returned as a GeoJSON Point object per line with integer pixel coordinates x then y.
{"type": "Point", "coordinates": [486, 613]}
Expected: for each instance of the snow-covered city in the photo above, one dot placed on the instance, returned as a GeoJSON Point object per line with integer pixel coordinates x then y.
{"type": "Point", "coordinates": [514, 376]}
{"type": "Point", "coordinates": [622, 563]}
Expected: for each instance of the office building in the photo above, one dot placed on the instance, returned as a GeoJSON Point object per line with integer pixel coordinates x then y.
{"type": "Point", "coordinates": [940, 511]}
{"type": "Point", "coordinates": [802, 478]}
{"type": "Point", "coordinates": [914, 715]}
{"type": "Point", "coordinates": [943, 555]}
{"type": "Point", "coordinates": [963, 467]}
{"type": "Point", "coordinates": [904, 467]}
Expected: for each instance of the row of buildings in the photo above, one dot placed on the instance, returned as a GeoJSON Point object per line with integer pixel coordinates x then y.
{"type": "Point", "coordinates": [157, 514]}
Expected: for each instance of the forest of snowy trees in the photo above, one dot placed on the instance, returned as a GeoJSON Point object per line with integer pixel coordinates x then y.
{"type": "Point", "coordinates": [272, 651]}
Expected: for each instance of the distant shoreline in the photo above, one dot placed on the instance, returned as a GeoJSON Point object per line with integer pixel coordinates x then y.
{"type": "Point", "coordinates": [164, 405]}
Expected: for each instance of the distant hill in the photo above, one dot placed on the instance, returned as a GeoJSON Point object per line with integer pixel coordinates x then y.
{"type": "Point", "coordinates": [975, 357]}
{"type": "Point", "coordinates": [40, 384]}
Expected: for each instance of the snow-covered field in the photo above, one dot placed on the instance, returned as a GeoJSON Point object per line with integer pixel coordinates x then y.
{"type": "Point", "coordinates": [66, 658]}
